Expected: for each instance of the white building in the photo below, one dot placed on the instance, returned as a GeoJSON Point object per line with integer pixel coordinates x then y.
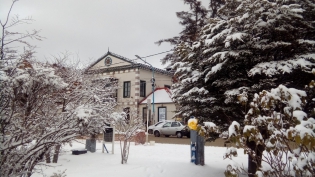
{"type": "Point", "coordinates": [135, 84]}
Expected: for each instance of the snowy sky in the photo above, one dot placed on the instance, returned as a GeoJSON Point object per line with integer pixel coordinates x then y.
{"type": "Point", "coordinates": [88, 28]}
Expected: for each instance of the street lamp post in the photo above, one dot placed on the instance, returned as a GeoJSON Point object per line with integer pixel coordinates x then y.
{"type": "Point", "coordinates": [153, 83]}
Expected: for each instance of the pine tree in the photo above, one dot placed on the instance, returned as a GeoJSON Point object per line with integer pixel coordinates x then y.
{"type": "Point", "coordinates": [256, 45]}
{"type": "Point", "coordinates": [214, 6]}
{"type": "Point", "coordinates": [192, 21]}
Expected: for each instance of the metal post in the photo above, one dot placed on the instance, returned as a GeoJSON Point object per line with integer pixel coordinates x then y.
{"type": "Point", "coordinates": [103, 142]}
{"type": "Point", "coordinates": [148, 112]}
{"type": "Point", "coordinates": [113, 140]}
{"type": "Point", "coordinates": [153, 83]}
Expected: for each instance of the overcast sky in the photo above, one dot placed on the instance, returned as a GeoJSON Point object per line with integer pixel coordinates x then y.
{"type": "Point", "coordinates": [87, 28]}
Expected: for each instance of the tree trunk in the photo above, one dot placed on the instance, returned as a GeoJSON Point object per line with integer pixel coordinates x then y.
{"type": "Point", "coordinates": [56, 153]}
{"type": "Point", "coordinates": [125, 152]}
{"type": "Point", "coordinates": [254, 162]}
{"type": "Point", "coordinates": [47, 156]}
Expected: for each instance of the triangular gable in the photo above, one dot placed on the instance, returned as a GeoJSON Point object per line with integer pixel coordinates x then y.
{"type": "Point", "coordinates": [110, 60]}
{"type": "Point", "coordinates": [161, 95]}
{"type": "Point", "coordinates": [120, 63]}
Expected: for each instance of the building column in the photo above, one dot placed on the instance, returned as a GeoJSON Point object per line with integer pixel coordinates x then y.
{"type": "Point", "coordinates": [137, 87]}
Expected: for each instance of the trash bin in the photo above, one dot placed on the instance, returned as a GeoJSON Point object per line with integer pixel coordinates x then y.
{"type": "Point", "coordinates": [90, 145]}
{"type": "Point", "coordinates": [108, 134]}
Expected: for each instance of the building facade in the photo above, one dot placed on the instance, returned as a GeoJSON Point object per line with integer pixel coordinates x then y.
{"type": "Point", "coordinates": [135, 86]}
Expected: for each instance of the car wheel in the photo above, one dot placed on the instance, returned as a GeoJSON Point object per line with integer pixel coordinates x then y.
{"type": "Point", "coordinates": [157, 134]}
{"type": "Point", "coordinates": [167, 135]}
{"type": "Point", "coordinates": [179, 135]}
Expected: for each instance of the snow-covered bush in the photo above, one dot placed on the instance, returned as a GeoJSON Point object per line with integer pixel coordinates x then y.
{"type": "Point", "coordinates": [96, 104]}
{"type": "Point", "coordinates": [32, 121]}
{"type": "Point", "coordinates": [127, 125]}
{"type": "Point", "coordinates": [208, 130]}
{"type": "Point", "coordinates": [42, 105]}
{"type": "Point", "coordinates": [45, 105]}
{"type": "Point", "coordinates": [278, 136]}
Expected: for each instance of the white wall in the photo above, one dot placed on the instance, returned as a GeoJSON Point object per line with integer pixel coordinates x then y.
{"type": "Point", "coordinates": [130, 75]}
{"type": "Point", "coordinates": [170, 111]}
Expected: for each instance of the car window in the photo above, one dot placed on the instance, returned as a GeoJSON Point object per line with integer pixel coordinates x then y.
{"type": "Point", "coordinates": [175, 124]}
{"type": "Point", "coordinates": [157, 123]}
{"type": "Point", "coordinates": [168, 124]}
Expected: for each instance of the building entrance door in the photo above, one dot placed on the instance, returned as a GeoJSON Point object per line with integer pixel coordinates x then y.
{"type": "Point", "coordinates": [162, 114]}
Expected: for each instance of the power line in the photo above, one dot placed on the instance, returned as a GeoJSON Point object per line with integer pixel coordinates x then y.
{"type": "Point", "coordinates": [141, 57]}
{"type": "Point", "coordinates": [155, 54]}
{"type": "Point", "coordinates": [144, 57]}
{"type": "Point", "coordinates": [152, 55]}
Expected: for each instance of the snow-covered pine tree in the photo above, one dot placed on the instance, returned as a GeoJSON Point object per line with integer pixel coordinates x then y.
{"type": "Point", "coordinates": [214, 6]}
{"type": "Point", "coordinates": [255, 45]}
{"type": "Point", "coordinates": [192, 21]}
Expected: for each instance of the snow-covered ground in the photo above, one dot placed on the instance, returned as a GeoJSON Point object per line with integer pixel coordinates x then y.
{"type": "Point", "coordinates": [159, 160]}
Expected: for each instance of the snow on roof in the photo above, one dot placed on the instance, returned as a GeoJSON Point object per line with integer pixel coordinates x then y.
{"type": "Point", "coordinates": [161, 95]}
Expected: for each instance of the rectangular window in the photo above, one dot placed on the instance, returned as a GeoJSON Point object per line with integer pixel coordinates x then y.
{"type": "Point", "coordinates": [142, 88]}
{"type": "Point", "coordinates": [127, 88]}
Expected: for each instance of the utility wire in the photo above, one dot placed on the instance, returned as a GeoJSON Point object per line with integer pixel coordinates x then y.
{"type": "Point", "coordinates": [152, 55]}
{"type": "Point", "coordinates": [142, 57]}
{"type": "Point", "coordinates": [156, 54]}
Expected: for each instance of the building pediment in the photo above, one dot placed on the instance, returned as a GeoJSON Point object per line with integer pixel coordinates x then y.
{"type": "Point", "coordinates": [112, 62]}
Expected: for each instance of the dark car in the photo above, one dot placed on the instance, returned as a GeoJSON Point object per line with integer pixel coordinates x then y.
{"type": "Point", "coordinates": [186, 131]}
